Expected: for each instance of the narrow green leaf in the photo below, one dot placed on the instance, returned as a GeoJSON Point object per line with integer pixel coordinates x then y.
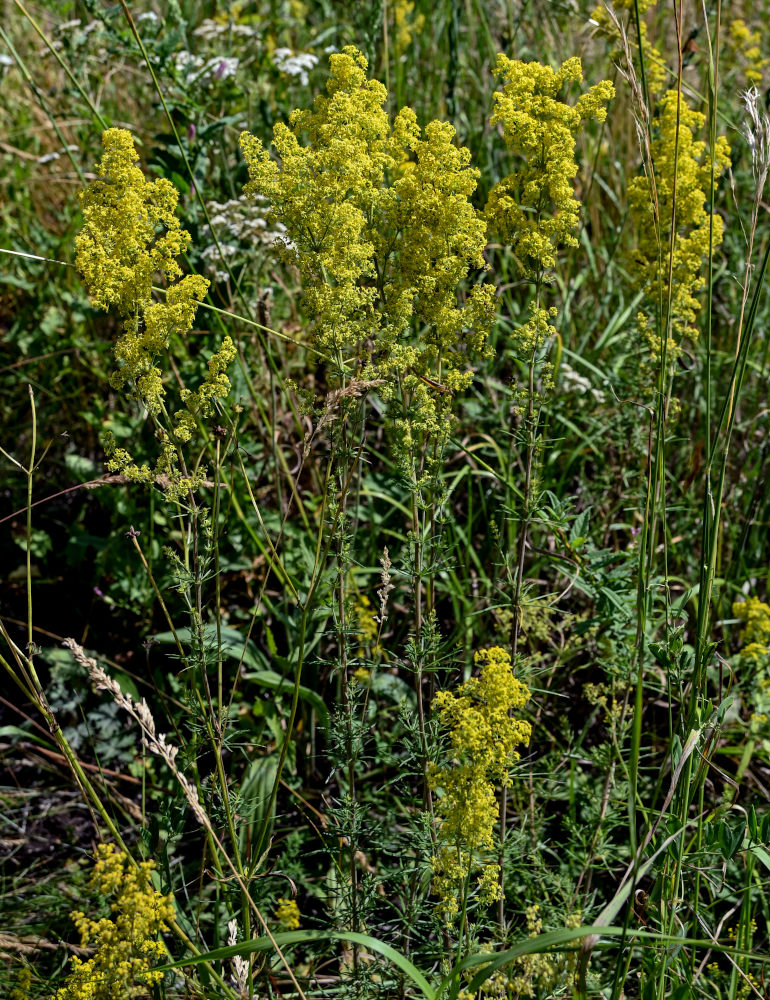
{"type": "Point", "coordinates": [297, 937]}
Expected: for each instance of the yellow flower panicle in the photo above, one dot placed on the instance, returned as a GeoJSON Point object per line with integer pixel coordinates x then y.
{"type": "Point", "coordinates": [131, 234]}
{"type": "Point", "coordinates": [654, 66]}
{"type": "Point", "coordinates": [322, 191]}
{"type": "Point", "coordinates": [380, 225]}
{"type": "Point", "coordinates": [122, 244]}
{"type": "Point", "coordinates": [21, 991]}
{"type": "Point", "coordinates": [484, 734]}
{"type": "Point", "coordinates": [287, 914]}
{"type": "Point", "coordinates": [126, 943]}
{"type": "Point", "coordinates": [743, 48]}
{"type": "Point", "coordinates": [755, 636]}
{"type": "Point", "coordinates": [406, 24]}
{"type": "Point", "coordinates": [682, 169]}
{"type": "Point", "coordinates": [534, 208]}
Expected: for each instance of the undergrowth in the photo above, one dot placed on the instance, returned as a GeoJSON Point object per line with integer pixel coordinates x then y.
{"type": "Point", "coordinates": [385, 445]}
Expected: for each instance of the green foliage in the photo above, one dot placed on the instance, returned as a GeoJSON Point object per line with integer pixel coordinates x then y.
{"type": "Point", "coordinates": [386, 409]}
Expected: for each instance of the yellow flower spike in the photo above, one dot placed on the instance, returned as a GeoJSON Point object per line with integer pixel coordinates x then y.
{"type": "Point", "coordinates": [127, 942]}
{"type": "Point", "coordinates": [380, 225]}
{"type": "Point", "coordinates": [675, 148]}
{"type": "Point", "coordinates": [534, 209]}
{"type": "Point", "coordinates": [484, 734]}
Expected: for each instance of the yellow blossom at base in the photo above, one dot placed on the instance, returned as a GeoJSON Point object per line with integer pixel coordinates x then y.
{"type": "Point", "coordinates": [126, 943]}
{"type": "Point", "coordinates": [484, 734]}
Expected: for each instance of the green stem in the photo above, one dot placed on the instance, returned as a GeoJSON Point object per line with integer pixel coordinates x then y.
{"type": "Point", "coordinates": [30, 474]}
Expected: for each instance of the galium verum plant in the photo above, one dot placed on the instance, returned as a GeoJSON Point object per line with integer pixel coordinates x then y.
{"type": "Point", "coordinates": [131, 233]}
{"type": "Point", "coordinates": [127, 943]}
{"type": "Point", "coordinates": [483, 736]}
{"type": "Point", "coordinates": [380, 224]}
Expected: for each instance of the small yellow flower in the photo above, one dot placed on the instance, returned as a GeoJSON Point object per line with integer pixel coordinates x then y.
{"type": "Point", "coordinates": [682, 170]}
{"type": "Point", "coordinates": [287, 914]}
{"type": "Point", "coordinates": [484, 734]}
{"type": "Point", "coordinates": [127, 942]}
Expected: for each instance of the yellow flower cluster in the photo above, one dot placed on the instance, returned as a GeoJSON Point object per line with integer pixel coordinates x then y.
{"type": "Point", "coordinates": [531, 975]}
{"type": "Point", "coordinates": [380, 224]}
{"type": "Point", "coordinates": [654, 65]}
{"type": "Point", "coordinates": [682, 170]}
{"type": "Point", "coordinates": [598, 695]}
{"type": "Point", "coordinates": [755, 636]}
{"type": "Point", "coordinates": [406, 24]}
{"type": "Point", "coordinates": [534, 208]}
{"type": "Point", "coordinates": [127, 943]}
{"type": "Point", "coordinates": [130, 234]}
{"type": "Point", "coordinates": [742, 47]}
{"type": "Point", "coordinates": [287, 914]}
{"type": "Point", "coordinates": [483, 736]}
{"type": "Point", "coordinates": [23, 985]}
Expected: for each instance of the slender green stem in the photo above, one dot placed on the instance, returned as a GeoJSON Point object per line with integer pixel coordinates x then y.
{"type": "Point", "coordinates": [321, 558]}
{"type": "Point", "coordinates": [55, 53]}
{"type": "Point", "coordinates": [30, 475]}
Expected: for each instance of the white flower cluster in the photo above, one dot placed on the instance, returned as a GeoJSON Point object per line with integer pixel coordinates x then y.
{"type": "Point", "coordinates": [295, 64]}
{"type": "Point", "coordinates": [76, 26]}
{"type": "Point", "coordinates": [209, 30]}
{"type": "Point", "coordinates": [239, 225]}
{"type": "Point", "coordinates": [76, 33]}
{"type": "Point", "coordinates": [571, 381]}
{"type": "Point", "coordinates": [192, 68]}
{"type": "Point", "coordinates": [240, 965]}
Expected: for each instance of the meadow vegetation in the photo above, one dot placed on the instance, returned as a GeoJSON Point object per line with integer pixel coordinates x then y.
{"type": "Point", "coordinates": [384, 451]}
